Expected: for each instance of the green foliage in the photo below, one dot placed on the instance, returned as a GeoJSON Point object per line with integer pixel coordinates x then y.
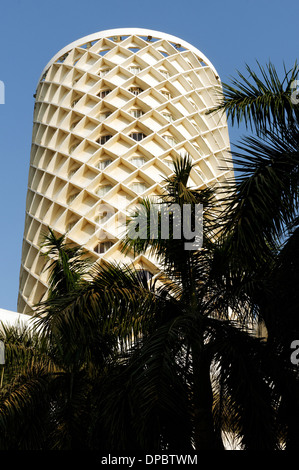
{"type": "Point", "coordinates": [262, 101]}
{"type": "Point", "coordinates": [114, 362]}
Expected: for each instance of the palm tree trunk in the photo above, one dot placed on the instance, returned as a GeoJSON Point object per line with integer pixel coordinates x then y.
{"type": "Point", "coordinates": [205, 435]}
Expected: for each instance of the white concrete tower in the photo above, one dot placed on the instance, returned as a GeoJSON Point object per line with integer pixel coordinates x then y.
{"type": "Point", "coordinates": [112, 110]}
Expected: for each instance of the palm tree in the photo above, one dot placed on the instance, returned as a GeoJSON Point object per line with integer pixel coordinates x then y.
{"type": "Point", "coordinates": [50, 371]}
{"type": "Point", "coordinates": [242, 265]}
{"type": "Point", "coordinates": [127, 364]}
{"type": "Point", "coordinates": [264, 200]}
{"type": "Point", "coordinates": [260, 222]}
{"type": "Point", "coordinates": [22, 410]}
{"type": "Point", "coordinates": [192, 335]}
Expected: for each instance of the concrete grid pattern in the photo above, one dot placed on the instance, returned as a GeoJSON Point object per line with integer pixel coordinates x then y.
{"type": "Point", "coordinates": [112, 111]}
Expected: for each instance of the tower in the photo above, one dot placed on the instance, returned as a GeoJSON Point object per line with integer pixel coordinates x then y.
{"type": "Point", "coordinates": [112, 110]}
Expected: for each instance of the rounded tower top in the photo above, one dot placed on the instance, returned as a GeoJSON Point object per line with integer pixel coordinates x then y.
{"type": "Point", "coordinates": [120, 32]}
{"type": "Point", "coordinates": [113, 111]}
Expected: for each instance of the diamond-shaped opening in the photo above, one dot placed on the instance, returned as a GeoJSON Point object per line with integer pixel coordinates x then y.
{"type": "Point", "coordinates": [139, 187]}
{"type": "Point", "coordinates": [86, 126]}
{"type": "Point", "coordinates": [101, 180]}
{"type": "Point", "coordinates": [88, 60]}
{"type": "Point", "coordinates": [117, 75]}
{"type": "Point", "coordinates": [35, 204]}
{"type": "Point", "coordinates": [118, 54]}
{"type": "Point", "coordinates": [150, 55]}
{"type": "Point", "coordinates": [120, 121]}
{"type": "Point", "coordinates": [55, 188]}
{"type": "Point", "coordinates": [103, 189]}
{"type": "Point", "coordinates": [47, 113]}
{"type": "Point", "coordinates": [155, 170]}
{"type": "Point", "coordinates": [154, 121]}
{"type": "Point", "coordinates": [85, 202]}
{"type": "Point", "coordinates": [43, 208]}
{"type": "Point", "coordinates": [121, 197]}
{"type": "Point", "coordinates": [83, 231]}
{"type": "Point", "coordinates": [102, 213]}
{"type": "Point", "coordinates": [85, 175]}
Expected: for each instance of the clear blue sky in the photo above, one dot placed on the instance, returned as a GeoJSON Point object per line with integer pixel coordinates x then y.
{"type": "Point", "coordinates": [230, 33]}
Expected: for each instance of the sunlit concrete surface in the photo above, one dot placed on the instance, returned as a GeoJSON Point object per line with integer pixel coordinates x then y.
{"type": "Point", "coordinates": [112, 111]}
{"type": "Point", "coordinates": [10, 318]}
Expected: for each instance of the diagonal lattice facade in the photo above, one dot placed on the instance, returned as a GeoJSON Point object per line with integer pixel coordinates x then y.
{"type": "Point", "coordinates": [112, 111]}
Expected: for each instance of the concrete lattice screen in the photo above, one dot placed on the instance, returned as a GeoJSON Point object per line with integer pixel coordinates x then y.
{"type": "Point", "coordinates": [112, 111]}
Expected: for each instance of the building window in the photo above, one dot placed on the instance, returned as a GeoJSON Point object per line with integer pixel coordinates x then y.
{"type": "Point", "coordinates": [165, 73]}
{"type": "Point", "coordinates": [104, 116]}
{"type": "Point", "coordinates": [170, 140]}
{"type": "Point", "coordinates": [104, 189]}
{"type": "Point", "coordinates": [71, 198]}
{"type": "Point", "coordinates": [102, 247]}
{"type": "Point", "coordinates": [168, 116]}
{"type": "Point", "coordinates": [167, 94]}
{"type": "Point", "coordinates": [137, 136]}
{"type": "Point", "coordinates": [101, 219]}
{"type": "Point", "coordinates": [104, 72]}
{"type": "Point", "coordinates": [103, 164]}
{"type": "Point", "coordinates": [139, 187]}
{"type": "Point", "coordinates": [73, 104]}
{"type": "Point", "coordinates": [135, 70]}
{"type": "Point", "coordinates": [103, 93]}
{"type": "Point", "coordinates": [75, 81]}
{"type": "Point", "coordinates": [138, 161]}
{"type": "Point", "coordinates": [103, 139]}
{"type": "Point", "coordinates": [73, 148]}
{"type": "Point", "coordinates": [170, 164]}
{"type": "Point", "coordinates": [72, 172]}
{"type": "Point", "coordinates": [136, 113]}
{"type": "Point", "coordinates": [74, 123]}
{"type": "Point", "coordinates": [70, 225]}
{"type": "Point", "coordinates": [135, 90]}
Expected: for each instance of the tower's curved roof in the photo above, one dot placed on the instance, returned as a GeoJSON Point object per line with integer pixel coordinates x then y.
{"type": "Point", "coordinates": [127, 32]}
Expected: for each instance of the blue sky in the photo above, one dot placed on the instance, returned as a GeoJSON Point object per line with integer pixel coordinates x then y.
{"type": "Point", "coordinates": [230, 33]}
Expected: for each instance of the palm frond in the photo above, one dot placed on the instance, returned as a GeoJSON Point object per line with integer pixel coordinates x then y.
{"type": "Point", "coordinates": [22, 428]}
{"type": "Point", "coordinates": [262, 102]}
{"type": "Point", "coordinates": [264, 199]}
{"type": "Point", "coordinates": [67, 263]}
{"type": "Point", "coordinates": [246, 401]}
{"type": "Point", "coordinates": [137, 398]}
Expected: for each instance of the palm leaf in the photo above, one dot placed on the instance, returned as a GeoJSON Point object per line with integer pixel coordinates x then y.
{"type": "Point", "coordinates": [262, 102]}
{"type": "Point", "coordinates": [264, 199]}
